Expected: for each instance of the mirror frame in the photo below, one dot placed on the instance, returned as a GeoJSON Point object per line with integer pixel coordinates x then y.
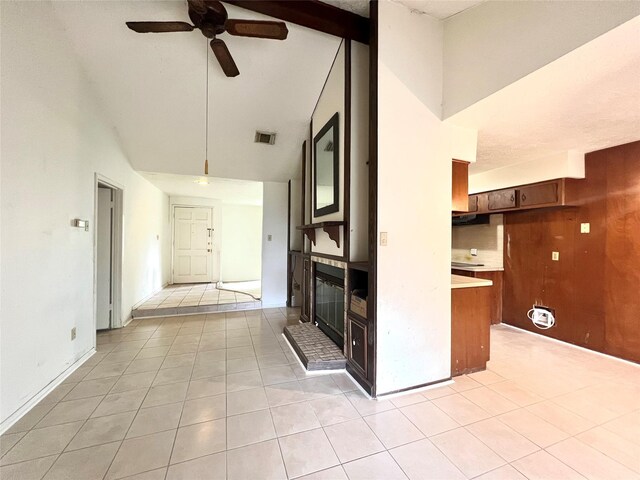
{"type": "Point", "coordinates": [335, 206]}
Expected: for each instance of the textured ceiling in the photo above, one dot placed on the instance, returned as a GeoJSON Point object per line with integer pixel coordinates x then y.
{"type": "Point", "coordinates": [152, 87]}
{"type": "Point", "coordinates": [436, 8]}
{"type": "Point", "coordinates": [586, 100]}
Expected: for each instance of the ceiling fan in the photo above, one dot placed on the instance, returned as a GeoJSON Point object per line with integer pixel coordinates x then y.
{"type": "Point", "coordinates": [210, 17]}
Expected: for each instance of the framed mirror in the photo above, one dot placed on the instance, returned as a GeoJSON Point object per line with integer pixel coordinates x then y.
{"type": "Point", "coordinates": [326, 164]}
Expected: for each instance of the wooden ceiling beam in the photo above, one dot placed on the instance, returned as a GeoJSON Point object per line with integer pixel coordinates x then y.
{"type": "Point", "coordinates": [312, 14]}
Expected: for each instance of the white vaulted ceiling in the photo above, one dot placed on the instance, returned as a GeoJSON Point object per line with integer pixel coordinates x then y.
{"type": "Point", "coordinates": [152, 87]}
{"type": "Point", "coordinates": [436, 8]}
{"type": "Point", "coordinates": [587, 100]}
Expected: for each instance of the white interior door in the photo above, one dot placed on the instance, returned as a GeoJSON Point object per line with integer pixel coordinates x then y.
{"type": "Point", "coordinates": [193, 245]}
{"type": "Point", "coordinates": [104, 270]}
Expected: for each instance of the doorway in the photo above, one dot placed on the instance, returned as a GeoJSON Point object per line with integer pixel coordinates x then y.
{"type": "Point", "coordinates": [194, 259]}
{"type": "Point", "coordinates": [108, 255]}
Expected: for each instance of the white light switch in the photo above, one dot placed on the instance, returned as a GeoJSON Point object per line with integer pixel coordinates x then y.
{"type": "Point", "coordinates": [555, 256]}
{"type": "Point", "coordinates": [383, 239]}
{"type": "Point", "coordinates": [585, 228]}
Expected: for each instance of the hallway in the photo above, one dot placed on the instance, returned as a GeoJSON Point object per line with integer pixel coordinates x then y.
{"type": "Point", "coordinates": [180, 299]}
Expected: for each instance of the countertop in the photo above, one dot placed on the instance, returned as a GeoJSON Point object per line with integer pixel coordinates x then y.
{"type": "Point", "coordinates": [458, 281]}
{"type": "Point", "coordinates": [484, 268]}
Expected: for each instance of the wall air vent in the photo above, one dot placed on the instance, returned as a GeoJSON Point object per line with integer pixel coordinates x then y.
{"type": "Point", "coordinates": [265, 137]}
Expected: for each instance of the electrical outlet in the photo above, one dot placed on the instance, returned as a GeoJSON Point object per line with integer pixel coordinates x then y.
{"type": "Point", "coordinates": [585, 228]}
{"type": "Point", "coordinates": [474, 252]}
{"type": "Point", "coordinates": [383, 239]}
{"type": "Point", "coordinates": [269, 238]}
{"type": "Point", "coordinates": [555, 256]}
{"type": "Point", "coordinates": [73, 333]}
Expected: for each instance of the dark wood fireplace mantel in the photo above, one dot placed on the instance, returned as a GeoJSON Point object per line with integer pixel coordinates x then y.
{"type": "Point", "coordinates": [332, 228]}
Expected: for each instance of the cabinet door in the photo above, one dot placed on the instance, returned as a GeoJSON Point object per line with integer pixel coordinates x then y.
{"type": "Point", "coordinates": [460, 186]}
{"type": "Point", "coordinates": [503, 199]}
{"type": "Point", "coordinates": [357, 351]}
{"type": "Point", "coordinates": [473, 203]}
{"type": "Point", "coordinates": [535, 195]}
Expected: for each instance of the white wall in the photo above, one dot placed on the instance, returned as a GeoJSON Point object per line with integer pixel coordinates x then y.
{"type": "Point", "coordinates": [274, 252]}
{"type": "Point", "coordinates": [359, 196]}
{"type": "Point", "coordinates": [566, 164]}
{"type": "Point", "coordinates": [414, 178]}
{"type": "Point", "coordinates": [241, 243]}
{"type": "Point", "coordinates": [55, 139]}
{"type": "Point", "coordinates": [237, 237]}
{"type": "Point", "coordinates": [331, 101]}
{"type": "Point", "coordinates": [496, 43]}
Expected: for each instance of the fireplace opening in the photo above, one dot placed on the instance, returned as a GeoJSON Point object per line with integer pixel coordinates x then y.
{"type": "Point", "coordinates": [329, 302]}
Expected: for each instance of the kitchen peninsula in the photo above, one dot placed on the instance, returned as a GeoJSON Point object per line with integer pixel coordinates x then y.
{"type": "Point", "coordinates": [470, 322]}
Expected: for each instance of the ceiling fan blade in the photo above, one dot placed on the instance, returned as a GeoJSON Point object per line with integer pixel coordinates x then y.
{"type": "Point", "coordinates": [257, 29]}
{"type": "Point", "coordinates": [225, 59]}
{"type": "Point", "coordinates": [159, 27]}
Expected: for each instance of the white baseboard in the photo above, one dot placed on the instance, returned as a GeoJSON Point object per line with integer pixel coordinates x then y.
{"type": "Point", "coordinates": [274, 305]}
{"type": "Point", "coordinates": [567, 344]}
{"type": "Point", "coordinates": [33, 401]}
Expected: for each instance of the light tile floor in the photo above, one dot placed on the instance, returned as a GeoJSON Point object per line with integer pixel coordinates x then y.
{"type": "Point", "coordinates": [220, 396]}
{"type": "Point", "coordinates": [199, 294]}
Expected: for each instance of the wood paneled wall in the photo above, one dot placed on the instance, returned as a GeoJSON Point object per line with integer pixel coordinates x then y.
{"type": "Point", "coordinates": [595, 286]}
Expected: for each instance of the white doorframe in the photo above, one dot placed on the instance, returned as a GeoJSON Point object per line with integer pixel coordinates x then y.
{"type": "Point", "coordinates": [215, 222]}
{"type": "Point", "coordinates": [118, 239]}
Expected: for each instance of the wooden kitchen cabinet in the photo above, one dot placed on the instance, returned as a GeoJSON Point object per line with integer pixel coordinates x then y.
{"type": "Point", "coordinates": [460, 186]}
{"type": "Point", "coordinates": [357, 344]}
{"type": "Point", "coordinates": [522, 197]}
{"type": "Point", "coordinates": [470, 310]}
{"type": "Point", "coordinates": [473, 203]}
{"type": "Point", "coordinates": [503, 199]}
{"type": "Point", "coordinates": [497, 277]}
{"type": "Point", "coordinates": [538, 195]}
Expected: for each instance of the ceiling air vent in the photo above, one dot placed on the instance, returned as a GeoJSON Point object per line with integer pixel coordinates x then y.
{"type": "Point", "coordinates": [265, 137]}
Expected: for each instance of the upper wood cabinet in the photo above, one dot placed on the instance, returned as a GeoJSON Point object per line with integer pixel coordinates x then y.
{"type": "Point", "coordinates": [539, 195]}
{"type": "Point", "coordinates": [503, 199]}
{"type": "Point", "coordinates": [473, 203]}
{"type": "Point", "coordinates": [460, 186]}
{"type": "Point", "coordinates": [523, 197]}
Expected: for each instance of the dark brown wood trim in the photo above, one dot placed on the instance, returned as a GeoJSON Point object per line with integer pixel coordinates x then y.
{"type": "Point", "coordinates": [373, 191]}
{"type": "Point", "coordinates": [357, 376]}
{"type": "Point", "coordinates": [309, 181]}
{"type": "Point", "coordinates": [304, 191]}
{"type": "Point", "coordinates": [289, 272]}
{"type": "Point", "coordinates": [346, 210]}
{"type": "Point", "coordinates": [361, 266]}
{"type": "Point", "coordinates": [332, 228]}
{"type": "Point", "coordinates": [312, 14]}
{"type": "Point", "coordinates": [325, 255]}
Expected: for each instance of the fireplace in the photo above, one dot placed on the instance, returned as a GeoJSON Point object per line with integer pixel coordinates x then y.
{"type": "Point", "coordinates": [329, 301]}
